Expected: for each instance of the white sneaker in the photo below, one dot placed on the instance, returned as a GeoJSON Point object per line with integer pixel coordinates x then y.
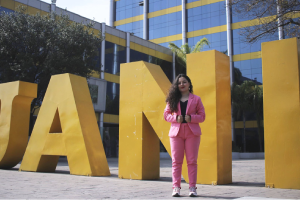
{"type": "Point", "coordinates": [176, 192]}
{"type": "Point", "coordinates": [193, 192]}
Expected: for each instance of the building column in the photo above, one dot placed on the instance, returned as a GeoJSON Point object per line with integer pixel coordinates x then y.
{"type": "Point", "coordinates": [112, 13]}
{"type": "Point", "coordinates": [280, 28]}
{"type": "Point", "coordinates": [127, 47]}
{"type": "Point", "coordinates": [102, 65]}
{"type": "Point", "coordinates": [229, 53]}
{"type": "Point", "coordinates": [102, 50]}
{"type": "Point", "coordinates": [183, 22]}
{"type": "Point", "coordinates": [53, 6]}
{"type": "Point", "coordinates": [145, 22]}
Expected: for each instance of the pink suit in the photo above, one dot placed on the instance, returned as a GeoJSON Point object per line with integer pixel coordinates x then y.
{"type": "Point", "coordinates": [185, 138]}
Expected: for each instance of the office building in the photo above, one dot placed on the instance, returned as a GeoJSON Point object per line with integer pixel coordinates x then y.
{"type": "Point", "coordinates": [187, 21]}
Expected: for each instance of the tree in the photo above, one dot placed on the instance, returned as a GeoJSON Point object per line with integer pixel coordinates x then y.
{"type": "Point", "coordinates": [237, 75]}
{"type": "Point", "coordinates": [257, 98]}
{"type": "Point", "coordinates": [180, 52]}
{"type": "Point", "coordinates": [33, 48]}
{"type": "Point", "coordinates": [242, 102]}
{"type": "Point", "coordinates": [268, 16]}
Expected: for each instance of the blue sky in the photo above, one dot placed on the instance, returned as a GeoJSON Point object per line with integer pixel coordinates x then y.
{"type": "Point", "coordinates": [92, 9]}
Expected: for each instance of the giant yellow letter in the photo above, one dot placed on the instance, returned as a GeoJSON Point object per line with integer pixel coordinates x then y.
{"type": "Point", "coordinates": [144, 87]}
{"type": "Point", "coordinates": [15, 101]}
{"type": "Point", "coordinates": [66, 126]}
{"type": "Point", "coordinates": [281, 61]}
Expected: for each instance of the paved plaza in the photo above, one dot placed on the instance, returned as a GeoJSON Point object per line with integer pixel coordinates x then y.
{"type": "Point", "coordinates": [248, 183]}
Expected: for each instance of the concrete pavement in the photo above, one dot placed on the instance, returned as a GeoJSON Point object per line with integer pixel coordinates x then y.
{"type": "Point", "coordinates": [248, 183]}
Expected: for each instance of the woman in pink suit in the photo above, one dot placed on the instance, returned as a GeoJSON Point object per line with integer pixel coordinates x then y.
{"type": "Point", "coordinates": [185, 111]}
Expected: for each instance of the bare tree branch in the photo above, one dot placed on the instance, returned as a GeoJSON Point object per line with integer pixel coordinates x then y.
{"type": "Point", "coordinates": [265, 19]}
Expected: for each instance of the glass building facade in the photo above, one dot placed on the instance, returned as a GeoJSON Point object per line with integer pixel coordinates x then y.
{"type": "Point", "coordinates": [170, 20]}
{"type": "Point", "coordinates": [188, 21]}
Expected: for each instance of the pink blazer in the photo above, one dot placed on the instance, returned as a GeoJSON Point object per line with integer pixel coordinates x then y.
{"type": "Point", "coordinates": [194, 108]}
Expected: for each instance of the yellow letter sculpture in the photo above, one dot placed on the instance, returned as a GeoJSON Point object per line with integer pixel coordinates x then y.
{"type": "Point", "coordinates": [142, 101]}
{"type": "Point", "coordinates": [66, 126]}
{"type": "Point", "coordinates": [15, 102]}
{"type": "Point", "coordinates": [281, 62]}
{"type": "Point", "coordinates": [210, 75]}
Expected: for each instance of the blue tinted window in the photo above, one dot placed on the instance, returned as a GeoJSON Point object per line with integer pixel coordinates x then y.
{"type": "Point", "coordinates": [240, 46]}
{"type": "Point", "coordinates": [190, 1]}
{"type": "Point", "coordinates": [114, 56]}
{"type": "Point", "coordinates": [165, 65]}
{"type": "Point", "coordinates": [155, 5]}
{"type": "Point", "coordinates": [239, 17]}
{"type": "Point", "coordinates": [135, 27]}
{"type": "Point", "coordinates": [128, 8]}
{"type": "Point", "coordinates": [206, 16]}
{"type": "Point", "coordinates": [6, 10]}
{"type": "Point", "coordinates": [251, 69]}
{"type": "Point", "coordinates": [165, 25]}
{"type": "Point", "coordinates": [218, 41]}
{"type": "Point", "coordinates": [112, 98]}
{"type": "Point", "coordinates": [290, 34]}
{"type": "Point", "coordinates": [177, 43]}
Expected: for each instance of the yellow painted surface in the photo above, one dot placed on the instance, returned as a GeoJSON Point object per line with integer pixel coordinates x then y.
{"type": "Point", "coordinates": [201, 3]}
{"type": "Point", "coordinates": [97, 116]}
{"type": "Point", "coordinates": [209, 72]}
{"type": "Point", "coordinates": [248, 124]}
{"type": "Point", "coordinates": [280, 67]}
{"type": "Point", "coordinates": [167, 39]}
{"type": "Point", "coordinates": [142, 123]}
{"type": "Point", "coordinates": [206, 31]}
{"type": "Point", "coordinates": [115, 40]}
{"type": "Point", "coordinates": [109, 118]}
{"type": "Point", "coordinates": [255, 22]}
{"type": "Point", "coordinates": [10, 4]}
{"type": "Point", "coordinates": [32, 10]}
{"type": "Point", "coordinates": [15, 103]}
{"type": "Point", "coordinates": [139, 143]}
{"type": "Point", "coordinates": [66, 126]}
{"type": "Point", "coordinates": [150, 52]}
{"type": "Point", "coordinates": [112, 78]}
{"type": "Point", "coordinates": [129, 20]}
{"type": "Point", "coordinates": [246, 56]}
{"type": "Point", "coordinates": [95, 74]}
{"type": "Point", "coordinates": [165, 11]}
{"type": "Point", "coordinates": [18, 4]}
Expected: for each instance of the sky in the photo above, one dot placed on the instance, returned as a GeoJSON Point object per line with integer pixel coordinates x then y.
{"type": "Point", "coordinates": [91, 9]}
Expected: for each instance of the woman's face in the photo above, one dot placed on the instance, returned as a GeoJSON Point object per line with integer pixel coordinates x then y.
{"type": "Point", "coordinates": [183, 85]}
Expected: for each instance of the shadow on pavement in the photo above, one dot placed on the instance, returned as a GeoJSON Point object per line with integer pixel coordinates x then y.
{"type": "Point", "coordinates": [248, 184]}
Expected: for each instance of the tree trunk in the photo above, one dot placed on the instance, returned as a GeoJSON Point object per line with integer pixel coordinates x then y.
{"type": "Point", "coordinates": [244, 122]}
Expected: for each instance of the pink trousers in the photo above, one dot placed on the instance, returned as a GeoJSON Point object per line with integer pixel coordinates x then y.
{"type": "Point", "coordinates": [188, 143]}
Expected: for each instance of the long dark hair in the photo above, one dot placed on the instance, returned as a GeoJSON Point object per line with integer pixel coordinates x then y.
{"type": "Point", "coordinates": [174, 93]}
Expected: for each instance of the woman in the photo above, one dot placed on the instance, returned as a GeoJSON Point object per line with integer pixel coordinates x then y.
{"type": "Point", "coordinates": [185, 111]}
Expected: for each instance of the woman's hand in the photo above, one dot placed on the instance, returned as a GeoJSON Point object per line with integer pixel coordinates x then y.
{"type": "Point", "coordinates": [179, 119]}
{"type": "Point", "coordinates": [187, 118]}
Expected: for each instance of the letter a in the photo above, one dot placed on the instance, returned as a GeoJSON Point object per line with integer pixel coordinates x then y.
{"type": "Point", "coordinates": [66, 126]}
{"type": "Point", "coordinates": [15, 101]}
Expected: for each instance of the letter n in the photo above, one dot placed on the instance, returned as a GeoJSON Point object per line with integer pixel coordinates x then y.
{"type": "Point", "coordinates": [66, 126]}
{"type": "Point", "coordinates": [15, 103]}
{"type": "Point", "coordinates": [144, 87]}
